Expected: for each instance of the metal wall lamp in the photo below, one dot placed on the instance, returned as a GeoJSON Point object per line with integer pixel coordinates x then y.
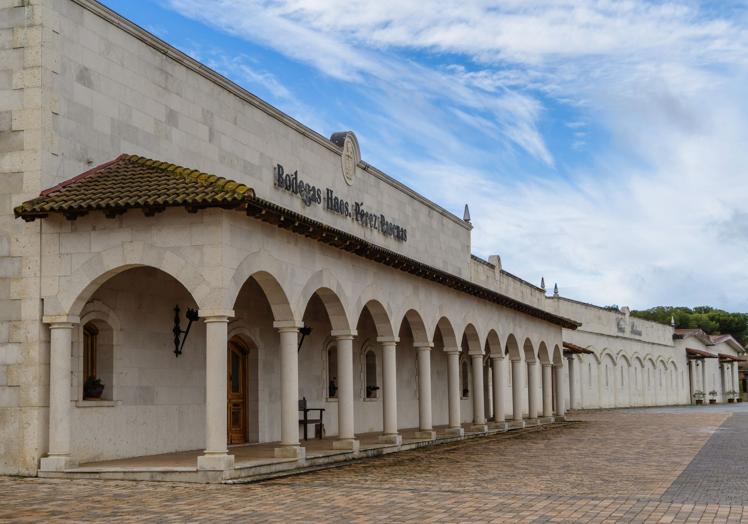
{"type": "Point", "coordinates": [179, 340]}
{"type": "Point", "coordinates": [306, 330]}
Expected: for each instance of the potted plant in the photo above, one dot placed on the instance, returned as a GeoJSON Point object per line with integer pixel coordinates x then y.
{"type": "Point", "coordinates": [371, 391]}
{"type": "Point", "coordinates": [712, 397]}
{"type": "Point", "coordinates": [92, 389]}
{"type": "Point", "coordinates": [698, 397]}
{"type": "Point", "coordinates": [731, 396]}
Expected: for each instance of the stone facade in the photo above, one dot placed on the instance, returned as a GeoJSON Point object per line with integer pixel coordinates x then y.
{"type": "Point", "coordinates": [636, 362]}
{"type": "Point", "coordinates": [81, 86]}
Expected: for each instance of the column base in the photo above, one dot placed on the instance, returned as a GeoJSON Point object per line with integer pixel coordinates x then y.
{"type": "Point", "coordinates": [531, 422]}
{"type": "Point", "coordinates": [454, 432]}
{"type": "Point", "coordinates": [559, 418]}
{"type": "Point", "coordinates": [394, 438]}
{"type": "Point", "coordinates": [57, 463]}
{"type": "Point", "coordinates": [515, 424]}
{"type": "Point", "coordinates": [546, 420]}
{"type": "Point", "coordinates": [215, 462]}
{"type": "Point", "coordinates": [295, 451]}
{"type": "Point", "coordinates": [498, 426]}
{"type": "Point", "coordinates": [426, 434]}
{"type": "Point", "coordinates": [479, 428]}
{"type": "Point", "coordinates": [348, 444]}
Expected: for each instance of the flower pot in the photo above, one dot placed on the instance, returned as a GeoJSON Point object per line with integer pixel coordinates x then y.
{"type": "Point", "coordinates": [93, 392]}
{"type": "Point", "coordinates": [699, 401]}
{"type": "Point", "coordinates": [730, 400]}
{"type": "Point", "coordinates": [712, 400]}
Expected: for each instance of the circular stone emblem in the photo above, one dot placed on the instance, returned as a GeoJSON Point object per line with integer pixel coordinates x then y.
{"type": "Point", "coordinates": [350, 153]}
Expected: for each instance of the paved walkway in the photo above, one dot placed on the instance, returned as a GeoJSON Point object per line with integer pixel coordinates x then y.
{"type": "Point", "coordinates": [681, 465]}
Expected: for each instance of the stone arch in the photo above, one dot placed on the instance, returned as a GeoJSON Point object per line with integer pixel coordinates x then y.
{"type": "Point", "coordinates": [333, 297]}
{"type": "Point", "coordinates": [447, 332]}
{"type": "Point", "coordinates": [381, 318]}
{"type": "Point", "coordinates": [493, 344]}
{"type": "Point", "coordinates": [529, 351]}
{"type": "Point", "coordinates": [77, 288]}
{"type": "Point", "coordinates": [417, 327]}
{"type": "Point", "coordinates": [472, 340]}
{"type": "Point", "coordinates": [512, 348]}
{"type": "Point", "coordinates": [543, 354]}
{"type": "Point", "coordinates": [558, 356]}
{"type": "Point", "coordinates": [275, 295]}
{"type": "Point", "coordinates": [336, 312]}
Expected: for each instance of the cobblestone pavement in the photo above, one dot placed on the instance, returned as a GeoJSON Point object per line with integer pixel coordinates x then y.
{"type": "Point", "coordinates": [611, 466]}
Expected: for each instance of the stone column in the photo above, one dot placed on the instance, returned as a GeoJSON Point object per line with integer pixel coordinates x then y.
{"type": "Point", "coordinates": [547, 390]}
{"type": "Point", "coordinates": [560, 400]}
{"type": "Point", "coordinates": [572, 382]}
{"type": "Point", "coordinates": [479, 413]}
{"type": "Point", "coordinates": [499, 412]}
{"type": "Point", "coordinates": [289, 379]}
{"type": "Point", "coordinates": [453, 379]}
{"type": "Point", "coordinates": [61, 337]}
{"type": "Point", "coordinates": [425, 424]}
{"type": "Point", "coordinates": [346, 422]}
{"type": "Point", "coordinates": [517, 386]}
{"type": "Point", "coordinates": [735, 379]}
{"type": "Point", "coordinates": [532, 390]}
{"type": "Point", "coordinates": [216, 455]}
{"type": "Point", "coordinates": [692, 386]}
{"type": "Point", "coordinates": [389, 390]}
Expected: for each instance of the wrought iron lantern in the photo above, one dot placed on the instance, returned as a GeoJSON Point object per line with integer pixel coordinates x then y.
{"type": "Point", "coordinates": [179, 339]}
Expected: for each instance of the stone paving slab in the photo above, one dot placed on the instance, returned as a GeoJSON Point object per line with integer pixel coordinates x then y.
{"type": "Point", "coordinates": [612, 466]}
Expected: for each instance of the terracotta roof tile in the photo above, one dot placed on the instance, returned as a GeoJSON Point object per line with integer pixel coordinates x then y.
{"type": "Point", "coordinates": [131, 181]}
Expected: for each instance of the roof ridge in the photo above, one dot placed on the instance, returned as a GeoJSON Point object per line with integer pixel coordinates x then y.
{"type": "Point", "coordinates": [203, 178]}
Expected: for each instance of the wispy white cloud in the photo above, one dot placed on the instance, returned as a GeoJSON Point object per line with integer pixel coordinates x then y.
{"type": "Point", "coordinates": [653, 214]}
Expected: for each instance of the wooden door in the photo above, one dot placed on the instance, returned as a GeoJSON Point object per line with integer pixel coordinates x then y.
{"type": "Point", "coordinates": [237, 393]}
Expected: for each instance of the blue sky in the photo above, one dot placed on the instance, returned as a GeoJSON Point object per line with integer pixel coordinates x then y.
{"type": "Point", "coordinates": [601, 144]}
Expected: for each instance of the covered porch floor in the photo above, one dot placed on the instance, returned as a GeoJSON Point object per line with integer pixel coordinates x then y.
{"type": "Point", "coordinates": [257, 461]}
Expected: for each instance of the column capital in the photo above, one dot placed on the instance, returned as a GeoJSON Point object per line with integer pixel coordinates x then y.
{"type": "Point", "coordinates": [423, 346]}
{"type": "Point", "coordinates": [344, 334]}
{"type": "Point", "coordinates": [452, 350]}
{"type": "Point", "coordinates": [547, 364]}
{"type": "Point", "coordinates": [495, 356]}
{"type": "Point", "coordinates": [61, 321]}
{"type": "Point", "coordinates": [287, 325]}
{"type": "Point", "coordinates": [215, 315]}
{"type": "Point", "coordinates": [388, 341]}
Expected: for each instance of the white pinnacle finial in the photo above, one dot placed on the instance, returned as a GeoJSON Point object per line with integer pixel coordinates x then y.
{"type": "Point", "coordinates": [672, 320]}
{"type": "Point", "coordinates": [466, 214]}
{"type": "Point", "coordinates": [542, 283]}
{"type": "Point", "coordinates": [555, 290]}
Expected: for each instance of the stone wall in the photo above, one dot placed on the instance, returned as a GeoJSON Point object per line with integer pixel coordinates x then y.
{"type": "Point", "coordinates": [25, 112]}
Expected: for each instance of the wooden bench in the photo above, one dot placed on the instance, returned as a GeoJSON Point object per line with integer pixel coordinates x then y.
{"type": "Point", "coordinates": [305, 420]}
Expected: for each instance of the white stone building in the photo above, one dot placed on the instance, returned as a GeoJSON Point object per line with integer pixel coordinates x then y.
{"type": "Point", "coordinates": [409, 333]}
{"type": "Point", "coordinates": [615, 360]}
{"type": "Point", "coordinates": [311, 274]}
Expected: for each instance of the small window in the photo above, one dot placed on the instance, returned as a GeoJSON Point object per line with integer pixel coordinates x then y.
{"type": "Point", "coordinates": [97, 363]}
{"type": "Point", "coordinates": [332, 372]}
{"type": "Point", "coordinates": [90, 334]}
{"type": "Point", "coordinates": [464, 379]}
{"type": "Point", "coordinates": [372, 390]}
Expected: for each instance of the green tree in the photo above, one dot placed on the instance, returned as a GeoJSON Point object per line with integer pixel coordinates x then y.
{"type": "Point", "coordinates": [711, 320]}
